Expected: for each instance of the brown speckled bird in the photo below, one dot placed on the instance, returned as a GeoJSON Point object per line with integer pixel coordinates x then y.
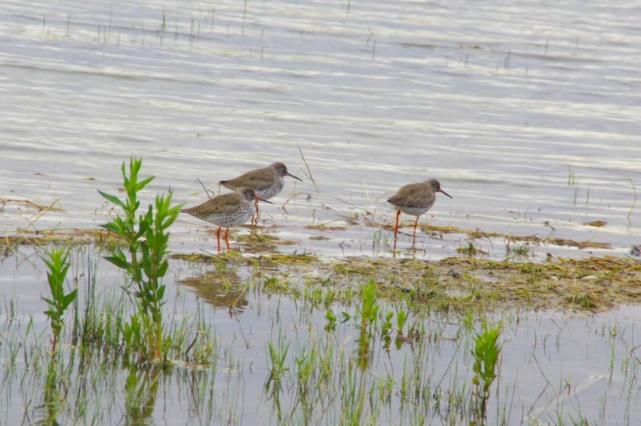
{"type": "Point", "coordinates": [415, 199]}
{"type": "Point", "coordinates": [227, 210]}
{"type": "Point", "coordinates": [267, 182]}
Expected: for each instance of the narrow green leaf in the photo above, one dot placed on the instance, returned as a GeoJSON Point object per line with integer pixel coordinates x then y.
{"type": "Point", "coordinates": [140, 185]}
{"type": "Point", "coordinates": [112, 199]}
{"type": "Point", "coordinates": [119, 261]}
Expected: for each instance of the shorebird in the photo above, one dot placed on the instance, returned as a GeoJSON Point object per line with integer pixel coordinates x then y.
{"type": "Point", "coordinates": [267, 181]}
{"type": "Point", "coordinates": [227, 210]}
{"type": "Point", "coordinates": [415, 199]}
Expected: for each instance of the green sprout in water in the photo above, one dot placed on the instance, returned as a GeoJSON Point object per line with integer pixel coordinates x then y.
{"type": "Point", "coordinates": [273, 385]}
{"type": "Point", "coordinates": [369, 307]}
{"type": "Point", "coordinates": [147, 237]}
{"type": "Point", "coordinates": [369, 311]}
{"type": "Point", "coordinates": [401, 318]}
{"type": "Point", "coordinates": [57, 261]}
{"type": "Point", "coordinates": [486, 357]}
{"type": "Point", "coordinates": [306, 369]}
{"type": "Point", "coordinates": [386, 329]}
{"type": "Point", "coordinates": [277, 355]}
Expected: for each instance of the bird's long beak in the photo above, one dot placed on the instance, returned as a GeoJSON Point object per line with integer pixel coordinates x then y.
{"type": "Point", "coordinates": [445, 193]}
{"type": "Point", "coordinates": [295, 177]}
{"type": "Point", "coordinates": [263, 200]}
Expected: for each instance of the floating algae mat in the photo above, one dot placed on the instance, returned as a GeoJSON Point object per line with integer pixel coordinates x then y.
{"type": "Point", "coordinates": [587, 283]}
{"type": "Point", "coordinates": [593, 283]}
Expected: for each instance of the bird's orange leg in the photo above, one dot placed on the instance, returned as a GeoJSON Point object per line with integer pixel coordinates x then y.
{"type": "Point", "coordinates": [414, 236]}
{"type": "Point", "coordinates": [227, 238]}
{"type": "Point", "coordinates": [398, 215]}
{"type": "Point", "coordinates": [218, 239]}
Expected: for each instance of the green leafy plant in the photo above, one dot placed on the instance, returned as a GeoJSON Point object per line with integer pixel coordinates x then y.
{"type": "Point", "coordinates": [369, 307]}
{"type": "Point", "coordinates": [57, 261]}
{"type": "Point", "coordinates": [146, 236]}
{"type": "Point", "coordinates": [369, 311]}
{"type": "Point", "coordinates": [486, 354]}
{"type": "Point", "coordinates": [306, 372]}
{"type": "Point", "coordinates": [401, 319]}
{"type": "Point", "coordinates": [306, 364]}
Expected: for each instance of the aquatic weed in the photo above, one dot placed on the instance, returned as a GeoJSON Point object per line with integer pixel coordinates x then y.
{"type": "Point", "coordinates": [57, 261]}
{"type": "Point", "coordinates": [147, 240]}
{"type": "Point", "coordinates": [486, 357]}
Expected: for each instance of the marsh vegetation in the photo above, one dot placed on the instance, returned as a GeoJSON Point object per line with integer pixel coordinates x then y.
{"type": "Point", "coordinates": [263, 344]}
{"type": "Point", "coordinates": [298, 339]}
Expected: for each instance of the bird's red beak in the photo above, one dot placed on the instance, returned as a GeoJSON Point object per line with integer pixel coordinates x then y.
{"type": "Point", "coordinates": [445, 193]}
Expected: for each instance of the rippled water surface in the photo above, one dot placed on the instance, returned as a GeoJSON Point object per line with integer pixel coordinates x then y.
{"type": "Point", "coordinates": [528, 113]}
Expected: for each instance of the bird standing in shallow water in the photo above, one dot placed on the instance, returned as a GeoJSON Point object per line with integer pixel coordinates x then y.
{"type": "Point", "coordinates": [267, 182]}
{"type": "Point", "coordinates": [227, 210]}
{"type": "Point", "coordinates": [415, 199]}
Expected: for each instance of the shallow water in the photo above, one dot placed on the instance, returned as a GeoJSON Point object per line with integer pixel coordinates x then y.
{"type": "Point", "coordinates": [553, 364]}
{"type": "Point", "coordinates": [528, 113]}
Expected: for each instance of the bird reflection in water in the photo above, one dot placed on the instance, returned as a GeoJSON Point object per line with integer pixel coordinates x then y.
{"type": "Point", "coordinates": [219, 288]}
